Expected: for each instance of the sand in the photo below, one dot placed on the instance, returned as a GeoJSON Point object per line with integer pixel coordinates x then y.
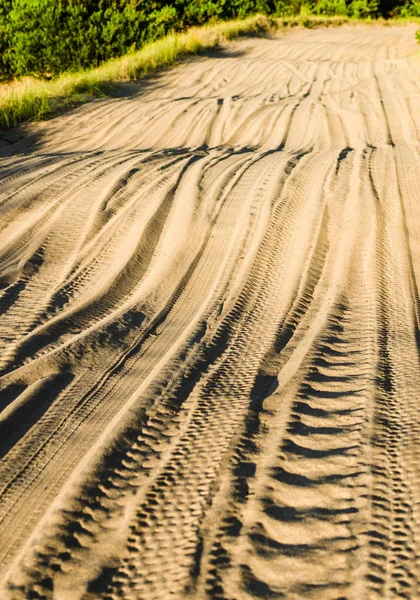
{"type": "Point", "coordinates": [210, 385]}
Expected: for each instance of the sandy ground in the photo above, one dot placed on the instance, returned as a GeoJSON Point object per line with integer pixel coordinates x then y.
{"type": "Point", "coordinates": [210, 385]}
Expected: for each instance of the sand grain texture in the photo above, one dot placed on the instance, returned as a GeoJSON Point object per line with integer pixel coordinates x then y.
{"type": "Point", "coordinates": [209, 334]}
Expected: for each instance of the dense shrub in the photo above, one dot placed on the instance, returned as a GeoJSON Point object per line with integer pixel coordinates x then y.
{"type": "Point", "coordinates": [362, 9]}
{"type": "Point", "coordinates": [407, 9]}
{"type": "Point", "coordinates": [47, 37]}
{"type": "Point", "coordinates": [5, 36]}
{"type": "Point", "coordinates": [329, 8]}
{"type": "Point", "coordinates": [51, 36]}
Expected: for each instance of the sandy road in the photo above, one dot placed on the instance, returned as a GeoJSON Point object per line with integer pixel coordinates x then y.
{"type": "Point", "coordinates": [210, 384]}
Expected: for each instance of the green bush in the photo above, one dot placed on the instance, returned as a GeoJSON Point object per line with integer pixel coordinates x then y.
{"type": "Point", "coordinates": [408, 9]}
{"type": "Point", "coordinates": [327, 8]}
{"type": "Point", "coordinates": [364, 9]}
{"type": "Point", "coordinates": [52, 36]}
{"type": "Point", "coordinates": [5, 37]}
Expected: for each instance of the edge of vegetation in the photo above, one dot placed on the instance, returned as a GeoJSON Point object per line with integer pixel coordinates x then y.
{"type": "Point", "coordinates": [30, 99]}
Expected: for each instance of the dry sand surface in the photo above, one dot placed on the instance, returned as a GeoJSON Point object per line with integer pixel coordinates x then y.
{"type": "Point", "coordinates": [210, 385]}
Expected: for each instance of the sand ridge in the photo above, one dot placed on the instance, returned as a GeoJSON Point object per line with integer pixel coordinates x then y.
{"type": "Point", "coordinates": [209, 331]}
